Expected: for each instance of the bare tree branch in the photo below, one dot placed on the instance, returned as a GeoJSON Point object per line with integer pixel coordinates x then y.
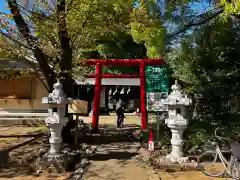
{"type": "Point", "coordinates": [34, 13]}
{"type": "Point", "coordinates": [51, 39]}
{"type": "Point", "coordinates": [14, 40]}
{"type": "Point", "coordinates": [204, 18]}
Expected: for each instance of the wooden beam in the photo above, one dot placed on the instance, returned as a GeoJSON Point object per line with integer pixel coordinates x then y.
{"type": "Point", "coordinates": [115, 75]}
{"type": "Point", "coordinates": [125, 62]}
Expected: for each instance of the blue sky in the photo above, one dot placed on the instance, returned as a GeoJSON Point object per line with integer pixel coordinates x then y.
{"type": "Point", "coordinates": [196, 6]}
{"type": "Point", "coordinates": [200, 7]}
{"type": "Point", "coordinates": [3, 6]}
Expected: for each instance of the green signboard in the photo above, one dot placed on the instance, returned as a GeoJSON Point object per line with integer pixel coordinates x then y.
{"type": "Point", "coordinates": [157, 87]}
{"type": "Point", "coordinates": [156, 79]}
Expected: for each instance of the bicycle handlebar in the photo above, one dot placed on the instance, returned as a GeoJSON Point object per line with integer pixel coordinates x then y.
{"type": "Point", "coordinates": [218, 137]}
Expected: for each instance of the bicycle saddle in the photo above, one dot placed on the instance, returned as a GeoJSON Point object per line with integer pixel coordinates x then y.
{"type": "Point", "coordinates": [236, 150]}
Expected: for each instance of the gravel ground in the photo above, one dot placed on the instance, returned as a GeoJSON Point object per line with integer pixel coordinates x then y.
{"type": "Point", "coordinates": [5, 142]}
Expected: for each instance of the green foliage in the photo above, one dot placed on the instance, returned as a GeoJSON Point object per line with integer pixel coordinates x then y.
{"type": "Point", "coordinates": [104, 29]}
{"type": "Point", "coordinates": [182, 62]}
{"type": "Point", "coordinates": [207, 64]}
{"type": "Point", "coordinates": [5, 51]}
{"type": "Point", "coordinates": [147, 28]}
{"type": "Point", "coordinates": [230, 7]}
{"type": "Point", "coordinates": [100, 29]}
{"type": "Point", "coordinates": [207, 57]}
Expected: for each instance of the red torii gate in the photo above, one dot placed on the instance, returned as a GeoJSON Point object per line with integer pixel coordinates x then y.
{"type": "Point", "coordinates": [120, 62]}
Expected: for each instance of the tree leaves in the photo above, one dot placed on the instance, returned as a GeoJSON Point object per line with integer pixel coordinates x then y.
{"type": "Point", "coordinates": [148, 29]}
{"type": "Point", "coordinates": [230, 7]}
{"type": "Point", "coordinates": [208, 64]}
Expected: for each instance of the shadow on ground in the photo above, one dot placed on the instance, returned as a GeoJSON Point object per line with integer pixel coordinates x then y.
{"type": "Point", "coordinates": [113, 143]}
{"type": "Point", "coordinates": [22, 160]}
{"type": "Point", "coordinates": [113, 155]}
{"type": "Point", "coordinates": [109, 134]}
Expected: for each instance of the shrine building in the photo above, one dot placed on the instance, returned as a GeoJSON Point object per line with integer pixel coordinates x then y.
{"type": "Point", "coordinates": [126, 89]}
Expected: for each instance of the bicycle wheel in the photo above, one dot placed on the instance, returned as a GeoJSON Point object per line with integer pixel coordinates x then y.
{"type": "Point", "coordinates": [235, 169]}
{"type": "Point", "coordinates": [210, 164]}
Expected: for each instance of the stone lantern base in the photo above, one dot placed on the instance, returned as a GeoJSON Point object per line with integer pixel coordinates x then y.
{"type": "Point", "coordinates": [58, 158]}
{"type": "Point", "coordinates": [176, 160]}
{"type": "Point", "coordinates": [53, 164]}
{"type": "Point", "coordinates": [56, 165]}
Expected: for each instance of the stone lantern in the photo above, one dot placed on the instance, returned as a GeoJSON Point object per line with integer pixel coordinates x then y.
{"type": "Point", "coordinates": [56, 102]}
{"type": "Point", "coordinates": [177, 122]}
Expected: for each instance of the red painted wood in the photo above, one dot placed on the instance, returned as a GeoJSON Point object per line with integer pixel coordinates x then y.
{"type": "Point", "coordinates": [120, 62]}
{"type": "Point", "coordinates": [115, 75]}
{"type": "Point", "coordinates": [97, 95]}
{"type": "Point", "coordinates": [143, 97]}
{"type": "Point", "coordinates": [124, 62]}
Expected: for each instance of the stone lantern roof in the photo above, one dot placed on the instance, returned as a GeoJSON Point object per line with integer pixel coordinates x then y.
{"type": "Point", "coordinates": [176, 97]}
{"type": "Point", "coordinates": [57, 96]}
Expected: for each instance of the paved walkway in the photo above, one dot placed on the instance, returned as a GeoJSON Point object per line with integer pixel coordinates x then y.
{"type": "Point", "coordinates": [114, 162]}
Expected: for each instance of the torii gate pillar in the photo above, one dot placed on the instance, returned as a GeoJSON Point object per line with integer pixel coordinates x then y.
{"type": "Point", "coordinates": [97, 96]}
{"type": "Point", "coordinates": [143, 97]}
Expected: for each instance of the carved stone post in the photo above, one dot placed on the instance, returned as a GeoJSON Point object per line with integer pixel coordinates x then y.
{"type": "Point", "coordinates": [177, 122]}
{"type": "Point", "coordinates": [56, 102]}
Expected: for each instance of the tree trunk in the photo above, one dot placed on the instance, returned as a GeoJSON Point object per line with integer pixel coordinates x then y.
{"type": "Point", "coordinates": [65, 64]}
{"type": "Point", "coordinates": [66, 54]}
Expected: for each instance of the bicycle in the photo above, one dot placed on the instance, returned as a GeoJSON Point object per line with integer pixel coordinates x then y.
{"type": "Point", "coordinates": [230, 168]}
